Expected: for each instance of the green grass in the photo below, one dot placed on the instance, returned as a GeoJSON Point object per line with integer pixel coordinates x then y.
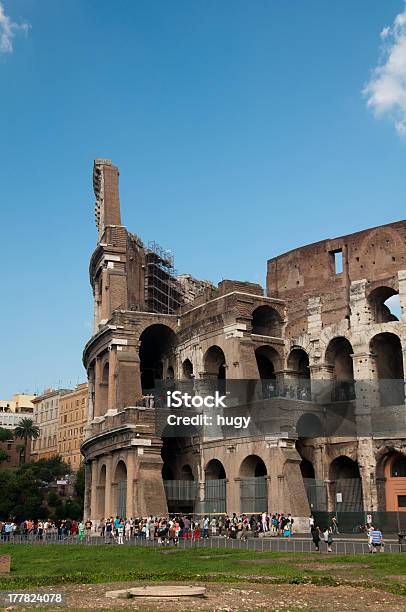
{"type": "Point", "coordinates": [36, 565]}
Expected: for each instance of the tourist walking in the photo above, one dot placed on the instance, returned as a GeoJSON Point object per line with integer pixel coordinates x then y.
{"type": "Point", "coordinates": [328, 538]}
{"type": "Point", "coordinates": [315, 532]}
{"type": "Point", "coordinates": [376, 540]}
{"type": "Point", "coordinates": [81, 531]}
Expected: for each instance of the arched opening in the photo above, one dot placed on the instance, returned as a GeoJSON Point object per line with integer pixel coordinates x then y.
{"type": "Point", "coordinates": [395, 482]}
{"type": "Point", "coordinates": [215, 487]}
{"type": "Point", "coordinates": [187, 473]}
{"type": "Point", "coordinates": [386, 349]}
{"type": "Point", "coordinates": [180, 486]}
{"type": "Point", "coordinates": [120, 479]}
{"type": "Point", "coordinates": [268, 361]}
{"type": "Point", "coordinates": [266, 321]}
{"type": "Point", "coordinates": [215, 363]}
{"type": "Point", "coordinates": [339, 357]}
{"type": "Point", "coordinates": [384, 303]}
{"type": "Point", "coordinates": [299, 372]}
{"type": "Point", "coordinates": [307, 469]}
{"type": "Point", "coordinates": [298, 363]}
{"type": "Point", "coordinates": [170, 374]}
{"type": "Point", "coordinates": [309, 426]}
{"type": "Point", "coordinates": [315, 489]}
{"type": "Point", "coordinates": [157, 345]}
{"type": "Point", "coordinates": [253, 485]}
{"type": "Point", "coordinates": [346, 485]}
{"type": "Point", "coordinates": [104, 389]}
{"type": "Point", "coordinates": [187, 369]}
{"type": "Point", "coordinates": [101, 490]}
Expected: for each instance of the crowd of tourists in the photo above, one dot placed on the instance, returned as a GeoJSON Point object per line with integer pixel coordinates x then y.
{"type": "Point", "coordinates": [172, 529]}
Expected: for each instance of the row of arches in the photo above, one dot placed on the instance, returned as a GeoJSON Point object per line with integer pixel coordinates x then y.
{"type": "Point", "coordinates": [344, 491]}
{"type": "Point", "coordinates": [118, 490]}
{"type": "Point", "coordinates": [252, 478]}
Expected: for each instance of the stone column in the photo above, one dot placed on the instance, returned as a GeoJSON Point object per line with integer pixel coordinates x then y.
{"type": "Point", "coordinates": [367, 468]}
{"type": "Point", "coordinates": [98, 408]}
{"type": "Point", "coordinates": [321, 377]}
{"type": "Point", "coordinates": [130, 484]}
{"type": "Point", "coordinates": [108, 492]}
{"type": "Point", "coordinates": [88, 484]}
{"type": "Point", "coordinates": [93, 493]}
{"type": "Point", "coordinates": [111, 395]}
{"type": "Point", "coordinates": [402, 292]}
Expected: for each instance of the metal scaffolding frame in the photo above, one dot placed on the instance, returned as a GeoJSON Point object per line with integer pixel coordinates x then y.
{"type": "Point", "coordinates": [162, 291]}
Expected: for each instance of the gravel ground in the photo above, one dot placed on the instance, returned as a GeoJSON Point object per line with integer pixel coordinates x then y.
{"type": "Point", "coordinates": [232, 598]}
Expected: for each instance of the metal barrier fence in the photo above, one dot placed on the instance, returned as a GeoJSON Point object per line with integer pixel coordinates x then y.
{"type": "Point", "coordinates": [261, 545]}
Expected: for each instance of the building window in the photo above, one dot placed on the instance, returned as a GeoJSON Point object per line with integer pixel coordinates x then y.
{"type": "Point", "coordinates": [402, 501]}
{"type": "Point", "coordinates": [337, 257]}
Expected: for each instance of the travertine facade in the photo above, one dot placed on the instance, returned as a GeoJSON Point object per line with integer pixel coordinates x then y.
{"type": "Point", "coordinates": [310, 352]}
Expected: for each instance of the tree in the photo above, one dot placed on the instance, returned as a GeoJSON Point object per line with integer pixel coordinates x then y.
{"type": "Point", "coordinates": [3, 455]}
{"type": "Point", "coordinates": [5, 434]}
{"type": "Point", "coordinates": [80, 484]}
{"type": "Point", "coordinates": [26, 429]}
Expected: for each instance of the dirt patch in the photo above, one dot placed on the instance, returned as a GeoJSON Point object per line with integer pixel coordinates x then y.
{"type": "Point", "coordinates": [242, 598]}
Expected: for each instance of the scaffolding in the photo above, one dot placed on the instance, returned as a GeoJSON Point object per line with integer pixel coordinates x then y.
{"type": "Point", "coordinates": [162, 291]}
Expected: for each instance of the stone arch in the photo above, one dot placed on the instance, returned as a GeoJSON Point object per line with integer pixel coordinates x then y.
{"type": "Point", "coordinates": [214, 362]}
{"type": "Point", "coordinates": [345, 480]}
{"type": "Point", "coordinates": [214, 470]}
{"type": "Point", "coordinates": [157, 344]}
{"type": "Point", "coordinates": [266, 321]}
{"type": "Point", "coordinates": [215, 487]}
{"type": "Point", "coordinates": [120, 482]}
{"type": "Point", "coordinates": [298, 363]}
{"type": "Point", "coordinates": [253, 485]}
{"type": "Point", "coordinates": [338, 356]}
{"type": "Point", "coordinates": [186, 472]}
{"type": "Point", "coordinates": [268, 362]}
{"type": "Point", "coordinates": [104, 387]}
{"type": "Point", "coordinates": [187, 369]}
{"type": "Point", "coordinates": [386, 350]}
{"type": "Point", "coordinates": [252, 465]}
{"type": "Point", "coordinates": [382, 306]}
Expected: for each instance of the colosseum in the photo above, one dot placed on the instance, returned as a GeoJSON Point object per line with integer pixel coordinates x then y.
{"type": "Point", "coordinates": [318, 359]}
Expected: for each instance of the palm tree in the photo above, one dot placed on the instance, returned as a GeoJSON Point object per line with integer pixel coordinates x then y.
{"type": "Point", "coordinates": [26, 429]}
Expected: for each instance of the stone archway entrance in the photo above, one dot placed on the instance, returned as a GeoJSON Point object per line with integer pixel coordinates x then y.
{"type": "Point", "coordinates": [215, 487]}
{"type": "Point", "coordinates": [253, 485]}
{"type": "Point", "coordinates": [120, 479]}
{"type": "Point", "coordinates": [156, 348]}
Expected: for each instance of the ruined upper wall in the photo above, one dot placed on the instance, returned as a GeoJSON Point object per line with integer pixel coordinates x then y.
{"type": "Point", "coordinates": [375, 254]}
{"type": "Point", "coordinates": [105, 186]}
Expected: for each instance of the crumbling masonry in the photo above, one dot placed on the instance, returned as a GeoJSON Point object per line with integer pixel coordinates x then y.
{"type": "Point", "coordinates": [325, 350]}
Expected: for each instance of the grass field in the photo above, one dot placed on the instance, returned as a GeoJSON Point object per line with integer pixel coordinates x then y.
{"type": "Point", "coordinates": [35, 565]}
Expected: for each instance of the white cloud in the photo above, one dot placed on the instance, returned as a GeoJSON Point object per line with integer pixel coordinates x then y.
{"type": "Point", "coordinates": [386, 90]}
{"type": "Point", "coordinates": [8, 29]}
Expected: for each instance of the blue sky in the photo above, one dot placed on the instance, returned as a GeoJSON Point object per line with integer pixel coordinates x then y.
{"type": "Point", "coordinates": [240, 129]}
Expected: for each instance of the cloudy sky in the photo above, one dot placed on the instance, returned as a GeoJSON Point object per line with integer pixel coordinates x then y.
{"type": "Point", "coordinates": [241, 129]}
